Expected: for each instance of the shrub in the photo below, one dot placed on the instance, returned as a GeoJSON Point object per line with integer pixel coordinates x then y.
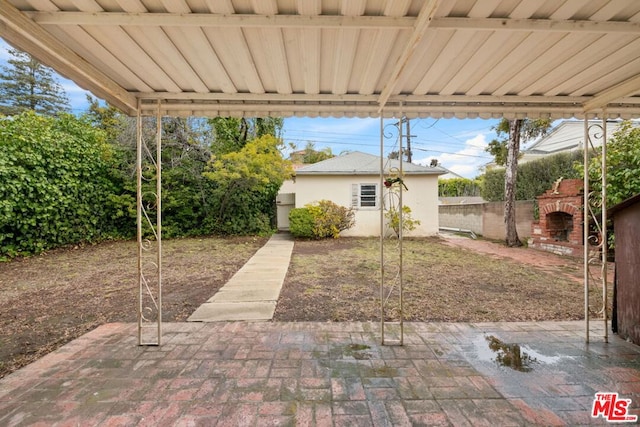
{"type": "Point", "coordinates": [301, 223]}
{"type": "Point", "coordinates": [56, 184]}
{"type": "Point", "coordinates": [246, 183]}
{"type": "Point", "coordinates": [393, 220]}
{"type": "Point", "coordinates": [534, 178]}
{"type": "Point", "coordinates": [320, 220]}
{"type": "Point", "coordinates": [330, 219]}
{"type": "Point", "coordinates": [458, 187]}
{"type": "Point", "coordinates": [623, 166]}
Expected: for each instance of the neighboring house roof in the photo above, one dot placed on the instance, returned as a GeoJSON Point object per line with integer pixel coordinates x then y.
{"type": "Point", "coordinates": [358, 163]}
{"type": "Point", "coordinates": [449, 174]}
{"type": "Point", "coordinates": [567, 136]}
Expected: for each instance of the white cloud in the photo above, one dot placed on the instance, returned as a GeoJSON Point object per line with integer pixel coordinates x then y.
{"type": "Point", "coordinates": [467, 161]}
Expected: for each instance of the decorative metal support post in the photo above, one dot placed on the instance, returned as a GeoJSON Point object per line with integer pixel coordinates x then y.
{"type": "Point", "coordinates": [605, 237]}
{"type": "Point", "coordinates": [585, 226]}
{"type": "Point", "coordinates": [149, 234]}
{"type": "Point", "coordinates": [595, 245]}
{"type": "Point", "coordinates": [391, 262]}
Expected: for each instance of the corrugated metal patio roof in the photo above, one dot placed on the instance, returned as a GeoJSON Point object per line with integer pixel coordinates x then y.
{"type": "Point", "coordinates": [356, 58]}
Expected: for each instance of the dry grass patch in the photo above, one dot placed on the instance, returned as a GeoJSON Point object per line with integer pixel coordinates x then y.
{"type": "Point", "coordinates": [48, 300]}
{"type": "Point", "coordinates": [338, 280]}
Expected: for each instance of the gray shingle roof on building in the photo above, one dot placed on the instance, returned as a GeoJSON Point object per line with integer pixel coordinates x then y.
{"type": "Point", "coordinates": [358, 163]}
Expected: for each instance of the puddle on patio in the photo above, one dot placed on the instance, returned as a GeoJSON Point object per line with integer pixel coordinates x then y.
{"type": "Point", "coordinates": [357, 351]}
{"type": "Point", "coordinates": [511, 355]}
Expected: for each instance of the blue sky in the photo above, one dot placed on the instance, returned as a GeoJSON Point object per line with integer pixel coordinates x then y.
{"type": "Point", "coordinates": [458, 144]}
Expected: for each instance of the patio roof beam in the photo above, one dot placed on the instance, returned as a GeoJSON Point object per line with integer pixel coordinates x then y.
{"type": "Point", "coordinates": [424, 19]}
{"type": "Point", "coordinates": [626, 88]}
{"type": "Point", "coordinates": [204, 20]}
{"type": "Point", "coordinates": [305, 97]}
{"type": "Point", "coordinates": [533, 25]}
{"type": "Point", "coordinates": [368, 109]}
{"type": "Point", "coordinates": [349, 106]}
{"type": "Point", "coordinates": [23, 34]}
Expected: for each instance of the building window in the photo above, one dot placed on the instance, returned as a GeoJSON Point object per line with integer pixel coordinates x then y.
{"type": "Point", "coordinates": [364, 196]}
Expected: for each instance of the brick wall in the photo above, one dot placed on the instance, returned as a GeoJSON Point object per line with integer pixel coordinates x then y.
{"type": "Point", "coordinates": [559, 229]}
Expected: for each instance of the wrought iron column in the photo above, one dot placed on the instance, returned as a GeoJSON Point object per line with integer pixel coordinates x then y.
{"type": "Point", "coordinates": [595, 245]}
{"type": "Point", "coordinates": [585, 225]}
{"type": "Point", "coordinates": [149, 233]}
{"type": "Point", "coordinates": [605, 239]}
{"type": "Point", "coordinates": [391, 262]}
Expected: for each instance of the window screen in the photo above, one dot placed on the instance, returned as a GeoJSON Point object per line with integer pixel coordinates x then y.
{"type": "Point", "coordinates": [368, 195]}
{"type": "Point", "coordinates": [364, 196]}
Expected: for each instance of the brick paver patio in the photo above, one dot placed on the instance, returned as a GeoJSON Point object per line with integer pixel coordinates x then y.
{"type": "Point", "coordinates": [254, 374]}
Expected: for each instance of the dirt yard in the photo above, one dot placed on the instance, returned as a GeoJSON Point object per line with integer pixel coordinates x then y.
{"type": "Point", "coordinates": [449, 280]}
{"type": "Point", "coordinates": [48, 300]}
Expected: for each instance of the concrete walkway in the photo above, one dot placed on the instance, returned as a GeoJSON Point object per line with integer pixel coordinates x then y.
{"type": "Point", "coordinates": [252, 293]}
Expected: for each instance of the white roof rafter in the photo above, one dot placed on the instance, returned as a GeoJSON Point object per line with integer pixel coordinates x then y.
{"type": "Point", "coordinates": [219, 20]}
{"type": "Point", "coordinates": [462, 58]}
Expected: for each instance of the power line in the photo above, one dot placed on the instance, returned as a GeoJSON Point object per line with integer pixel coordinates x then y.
{"type": "Point", "coordinates": [313, 137]}
{"type": "Point", "coordinates": [392, 147]}
{"type": "Point", "coordinates": [454, 154]}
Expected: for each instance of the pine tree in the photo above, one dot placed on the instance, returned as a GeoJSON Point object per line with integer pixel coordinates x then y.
{"type": "Point", "coordinates": [26, 84]}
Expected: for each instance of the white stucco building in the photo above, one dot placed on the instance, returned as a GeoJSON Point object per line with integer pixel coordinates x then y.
{"type": "Point", "coordinates": [353, 180]}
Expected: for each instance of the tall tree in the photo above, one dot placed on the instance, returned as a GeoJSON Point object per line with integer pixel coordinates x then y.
{"type": "Point", "coordinates": [513, 133]}
{"type": "Point", "coordinates": [311, 155]}
{"type": "Point", "coordinates": [232, 134]}
{"type": "Point", "coordinates": [26, 84]}
{"type": "Point", "coordinates": [247, 182]}
{"type": "Point", "coordinates": [510, 177]}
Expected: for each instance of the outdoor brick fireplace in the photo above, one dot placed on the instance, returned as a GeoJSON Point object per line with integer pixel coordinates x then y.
{"type": "Point", "coordinates": [559, 229]}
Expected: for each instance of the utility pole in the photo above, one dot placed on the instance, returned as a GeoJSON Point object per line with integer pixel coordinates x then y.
{"type": "Point", "coordinates": [408, 140]}
{"type": "Point", "coordinates": [408, 136]}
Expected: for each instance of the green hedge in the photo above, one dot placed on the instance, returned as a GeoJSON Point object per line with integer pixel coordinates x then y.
{"type": "Point", "coordinates": [458, 187]}
{"type": "Point", "coordinates": [55, 184]}
{"type": "Point", "coordinates": [534, 178]}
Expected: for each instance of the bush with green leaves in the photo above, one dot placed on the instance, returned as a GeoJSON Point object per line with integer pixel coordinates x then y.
{"type": "Point", "coordinates": [534, 177]}
{"type": "Point", "coordinates": [458, 187]}
{"type": "Point", "coordinates": [301, 223]}
{"type": "Point", "coordinates": [393, 220]}
{"type": "Point", "coordinates": [320, 220]}
{"type": "Point", "coordinates": [623, 165]}
{"type": "Point", "coordinates": [56, 184]}
{"type": "Point", "coordinates": [245, 184]}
